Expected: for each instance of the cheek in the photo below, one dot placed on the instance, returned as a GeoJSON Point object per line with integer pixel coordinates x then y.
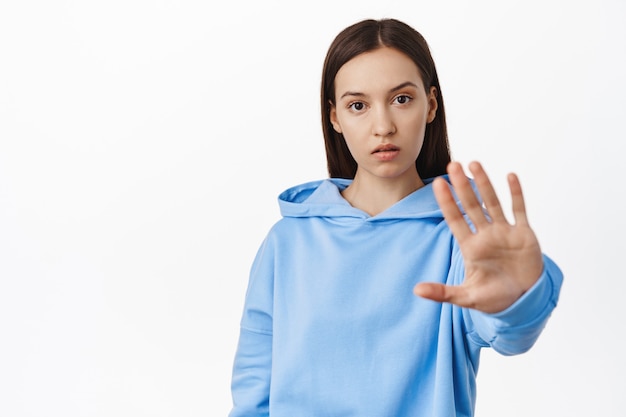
{"type": "Point", "coordinates": [350, 122]}
{"type": "Point", "coordinates": [415, 128]}
{"type": "Point", "coordinates": [418, 117]}
{"type": "Point", "coordinates": [353, 130]}
{"type": "Point", "coordinates": [416, 123]}
{"type": "Point", "coordinates": [352, 144]}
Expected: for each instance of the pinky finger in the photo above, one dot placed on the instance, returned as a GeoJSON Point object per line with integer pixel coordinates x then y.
{"type": "Point", "coordinates": [517, 200]}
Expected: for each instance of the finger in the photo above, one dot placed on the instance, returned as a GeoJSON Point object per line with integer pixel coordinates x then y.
{"type": "Point", "coordinates": [487, 192]}
{"type": "Point", "coordinates": [466, 194]}
{"type": "Point", "coordinates": [453, 216]}
{"type": "Point", "coordinates": [517, 199]}
{"type": "Point", "coordinates": [443, 293]}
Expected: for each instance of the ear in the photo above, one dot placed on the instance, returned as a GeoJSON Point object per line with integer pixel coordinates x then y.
{"type": "Point", "coordinates": [332, 110]}
{"type": "Point", "coordinates": [432, 104]}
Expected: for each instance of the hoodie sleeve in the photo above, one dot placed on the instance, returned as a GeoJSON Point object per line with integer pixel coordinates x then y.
{"type": "Point", "coordinates": [250, 386]}
{"type": "Point", "coordinates": [516, 329]}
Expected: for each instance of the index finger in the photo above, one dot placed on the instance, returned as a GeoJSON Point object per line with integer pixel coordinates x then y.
{"type": "Point", "coordinates": [451, 212]}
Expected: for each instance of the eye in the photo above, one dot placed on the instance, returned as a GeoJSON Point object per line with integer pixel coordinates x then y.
{"type": "Point", "coordinates": [402, 99]}
{"type": "Point", "coordinates": [356, 106]}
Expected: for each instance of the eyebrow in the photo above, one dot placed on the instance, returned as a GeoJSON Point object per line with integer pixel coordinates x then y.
{"type": "Point", "coordinates": [393, 90]}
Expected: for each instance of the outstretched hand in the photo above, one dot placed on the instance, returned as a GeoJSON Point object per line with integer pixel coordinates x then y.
{"type": "Point", "coordinates": [502, 260]}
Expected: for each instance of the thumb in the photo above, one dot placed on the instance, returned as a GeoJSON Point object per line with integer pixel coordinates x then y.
{"type": "Point", "coordinates": [440, 292]}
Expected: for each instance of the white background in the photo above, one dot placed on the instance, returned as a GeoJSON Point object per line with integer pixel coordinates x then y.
{"type": "Point", "coordinates": [143, 144]}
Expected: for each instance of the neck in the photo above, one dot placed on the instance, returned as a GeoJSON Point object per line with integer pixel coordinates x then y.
{"type": "Point", "coordinates": [374, 195]}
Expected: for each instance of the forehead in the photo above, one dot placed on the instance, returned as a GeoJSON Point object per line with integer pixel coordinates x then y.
{"type": "Point", "coordinates": [382, 68]}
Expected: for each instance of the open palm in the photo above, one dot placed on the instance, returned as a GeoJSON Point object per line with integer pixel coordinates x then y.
{"type": "Point", "coordinates": [502, 260]}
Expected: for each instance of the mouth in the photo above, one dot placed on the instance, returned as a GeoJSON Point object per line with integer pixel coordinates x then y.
{"type": "Point", "coordinates": [386, 152]}
{"type": "Point", "coordinates": [386, 148]}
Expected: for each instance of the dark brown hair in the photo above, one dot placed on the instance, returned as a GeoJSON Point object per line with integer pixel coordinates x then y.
{"type": "Point", "coordinates": [369, 35]}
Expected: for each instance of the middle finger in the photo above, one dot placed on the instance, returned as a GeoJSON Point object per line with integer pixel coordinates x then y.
{"type": "Point", "coordinates": [466, 195]}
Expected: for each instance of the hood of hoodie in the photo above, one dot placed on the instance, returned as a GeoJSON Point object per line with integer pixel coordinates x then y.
{"type": "Point", "coordinates": [323, 199]}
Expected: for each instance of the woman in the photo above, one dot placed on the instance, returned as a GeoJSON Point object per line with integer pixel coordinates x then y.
{"type": "Point", "coordinates": [331, 326]}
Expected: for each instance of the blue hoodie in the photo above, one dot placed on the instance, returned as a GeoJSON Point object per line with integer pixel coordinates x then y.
{"type": "Point", "coordinates": [331, 326]}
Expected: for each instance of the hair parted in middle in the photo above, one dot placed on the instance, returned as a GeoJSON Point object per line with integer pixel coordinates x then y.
{"type": "Point", "coordinates": [369, 35]}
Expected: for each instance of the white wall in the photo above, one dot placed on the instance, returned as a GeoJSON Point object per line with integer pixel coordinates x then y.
{"type": "Point", "coordinates": [143, 144]}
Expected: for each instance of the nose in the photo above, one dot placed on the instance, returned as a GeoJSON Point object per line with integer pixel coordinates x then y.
{"type": "Point", "coordinates": [382, 123]}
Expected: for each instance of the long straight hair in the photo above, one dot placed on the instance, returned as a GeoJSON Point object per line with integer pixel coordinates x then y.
{"type": "Point", "coordinates": [366, 36]}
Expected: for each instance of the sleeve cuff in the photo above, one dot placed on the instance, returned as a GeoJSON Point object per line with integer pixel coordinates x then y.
{"type": "Point", "coordinates": [542, 296]}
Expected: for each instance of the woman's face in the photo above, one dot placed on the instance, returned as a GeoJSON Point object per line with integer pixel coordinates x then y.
{"type": "Point", "coordinates": [382, 110]}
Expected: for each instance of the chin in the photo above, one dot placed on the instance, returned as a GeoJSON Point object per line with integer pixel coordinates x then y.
{"type": "Point", "coordinates": [393, 174]}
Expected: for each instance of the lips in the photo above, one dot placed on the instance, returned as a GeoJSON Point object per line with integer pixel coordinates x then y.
{"type": "Point", "coordinates": [386, 148]}
{"type": "Point", "coordinates": [386, 152]}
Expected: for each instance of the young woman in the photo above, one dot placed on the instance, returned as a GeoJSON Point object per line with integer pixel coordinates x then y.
{"type": "Point", "coordinates": [332, 325]}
